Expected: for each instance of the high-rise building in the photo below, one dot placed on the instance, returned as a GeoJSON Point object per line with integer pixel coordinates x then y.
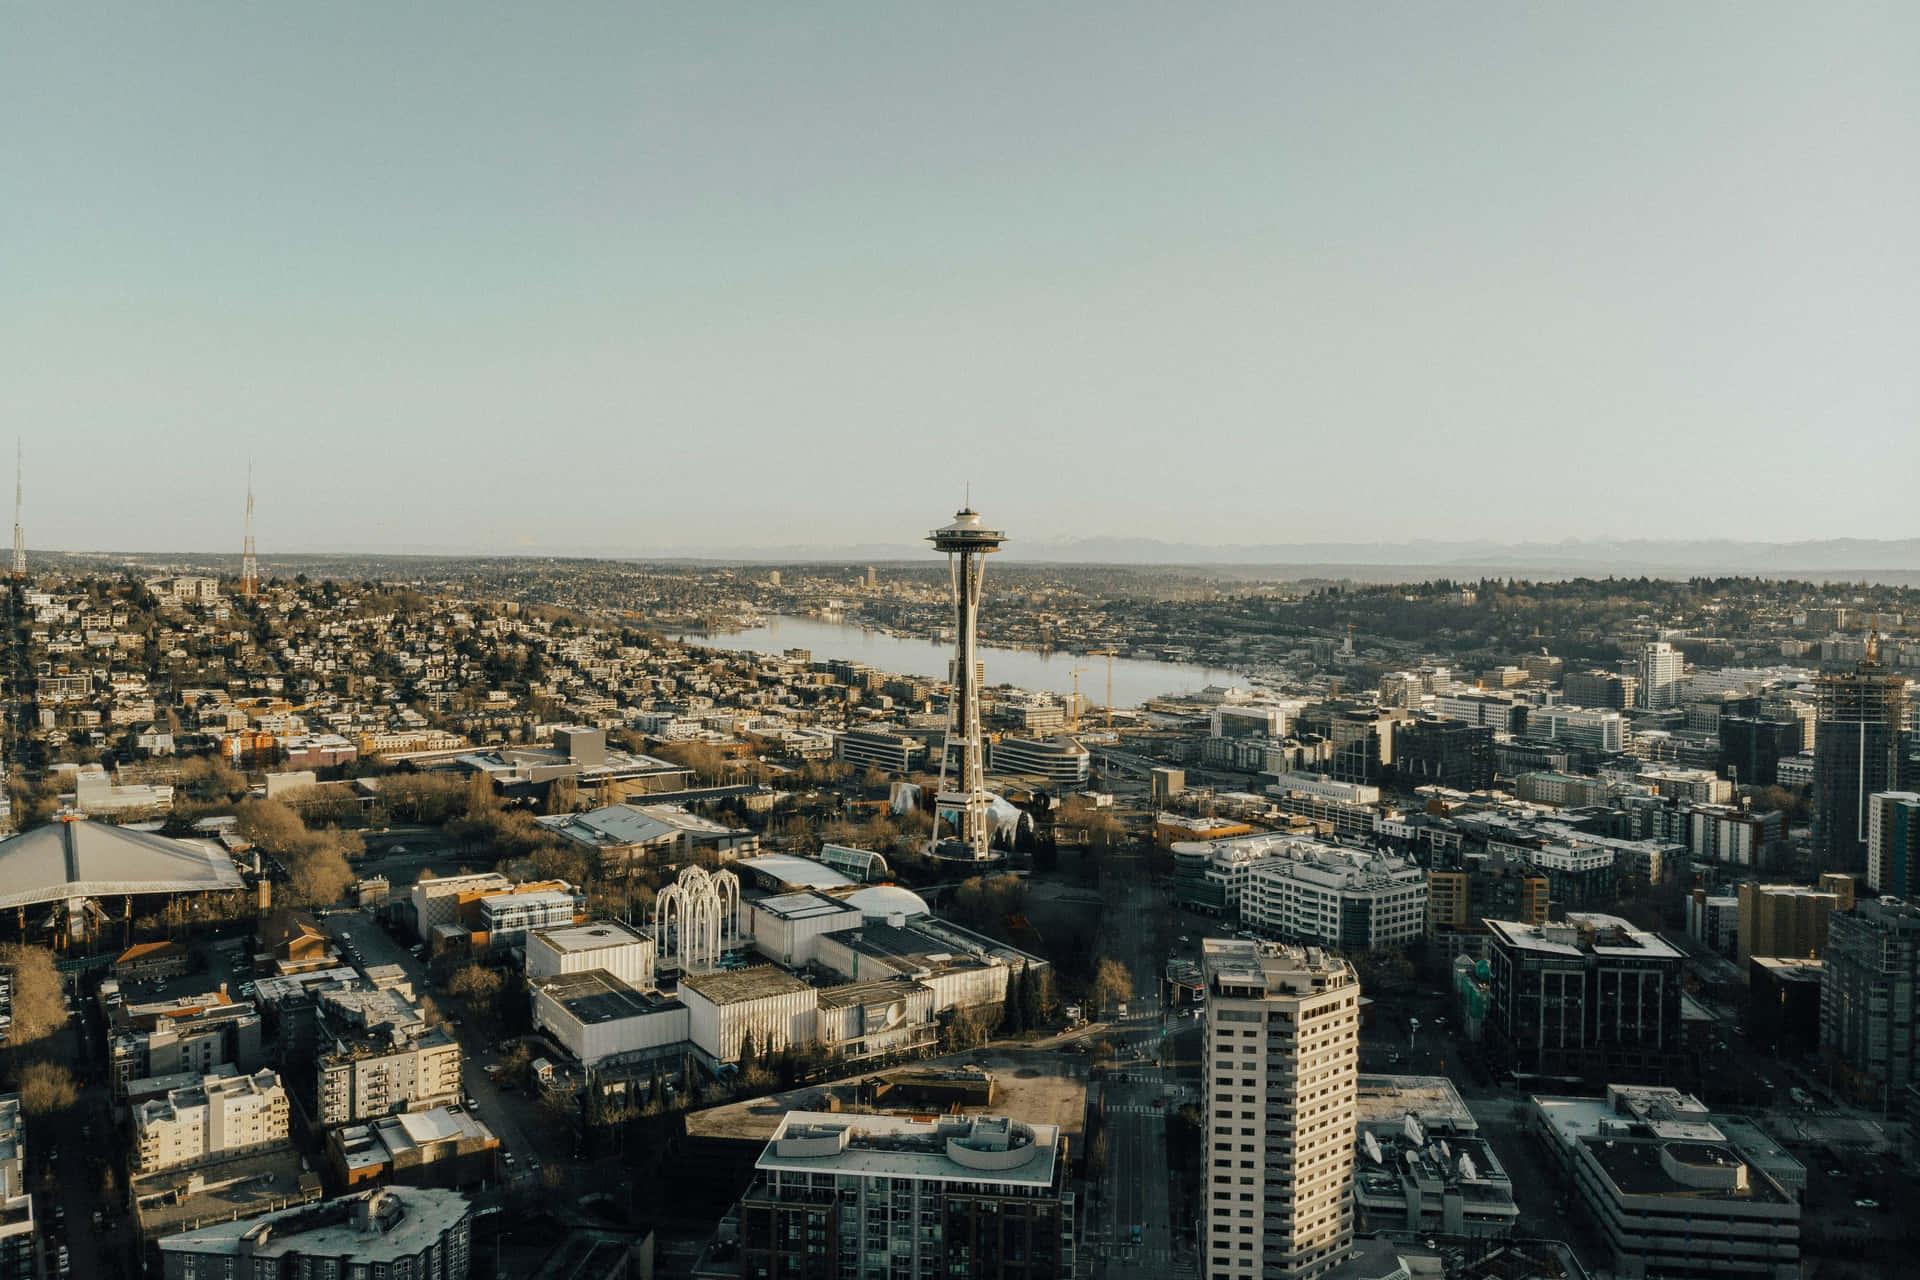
{"type": "Point", "coordinates": [1868, 990]}
{"type": "Point", "coordinates": [858, 1197]}
{"type": "Point", "coordinates": [964, 810]}
{"type": "Point", "coordinates": [1604, 690]}
{"type": "Point", "coordinates": [1281, 1076]}
{"type": "Point", "coordinates": [1444, 753]}
{"type": "Point", "coordinates": [420, 1232]}
{"type": "Point", "coordinates": [1893, 842]}
{"type": "Point", "coordinates": [1784, 920]}
{"type": "Point", "coordinates": [1865, 731]}
{"type": "Point", "coordinates": [1661, 668]}
{"type": "Point", "coordinates": [16, 1197]}
{"type": "Point", "coordinates": [1751, 747]}
{"type": "Point", "coordinates": [1589, 993]}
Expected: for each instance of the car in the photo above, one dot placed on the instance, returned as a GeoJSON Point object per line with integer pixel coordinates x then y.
{"type": "Point", "coordinates": [1865, 1203]}
{"type": "Point", "coordinates": [508, 1157]}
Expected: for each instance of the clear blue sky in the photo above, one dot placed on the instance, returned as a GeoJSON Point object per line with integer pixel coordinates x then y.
{"type": "Point", "coordinates": [631, 277]}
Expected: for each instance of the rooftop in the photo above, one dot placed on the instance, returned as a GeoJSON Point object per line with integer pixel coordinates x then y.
{"type": "Point", "coordinates": [1583, 933]}
{"type": "Point", "coordinates": [595, 996]}
{"type": "Point", "coordinates": [755, 983]}
{"type": "Point", "coordinates": [792, 869]}
{"type": "Point", "coordinates": [82, 859]}
{"type": "Point", "coordinates": [1270, 968]}
{"type": "Point", "coordinates": [375, 1226]}
{"type": "Point", "coordinates": [1387, 1100]}
{"type": "Point", "coordinates": [939, 1148]}
{"type": "Point", "coordinates": [591, 936]}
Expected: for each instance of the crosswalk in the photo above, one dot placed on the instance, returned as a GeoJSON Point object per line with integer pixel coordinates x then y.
{"type": "Point", "coordinates": [1133, 1109]}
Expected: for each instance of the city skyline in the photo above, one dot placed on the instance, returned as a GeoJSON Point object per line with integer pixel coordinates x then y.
{"type": "Point", "coordinates": [638, 281]}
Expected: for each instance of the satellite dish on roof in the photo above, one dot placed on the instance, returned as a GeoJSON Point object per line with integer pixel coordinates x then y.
{"type": "Point", "coordinates": [1373, 1148]}
{"type": "Point", "coordinates": [1413, 1132]}
{"type": "Point", "coordinates": [1467, 1169]}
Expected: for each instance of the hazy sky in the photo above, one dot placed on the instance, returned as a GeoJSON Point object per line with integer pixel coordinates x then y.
{"type": "Point", "coordinates": [632, 277]}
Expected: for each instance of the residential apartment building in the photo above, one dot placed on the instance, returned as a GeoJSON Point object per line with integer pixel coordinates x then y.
{"type": "Point", "coordinates": [377, 1056]}
{"type": "Point", "coordinates": [420, 1233]}
{"type": "Point", "coordinates": [1605, 690]}
{"type": "Point", "coordinates": [1893, 842]}
{"type": "Point", "coordinates": [1281, 1072]}
{"type": "Point", "coordinates": [857, 1197]}
{"type": "Point", "coordinates": [1353, 899]}
{"type": "Point", "coordinates": [1865, 732]}
{"type": "Point", "coordinates": [1733, 837]}
{"type": "Point", "coordinates": [220, 1116]}
{"type": "Point", "coordinates": [191, 1034]}
{"type": "Point", "coordinates": [16, 1197]}
{"type": "Point", "coordinates": [1445, 753]}
{"type": "Point", "coordinates": [1585, 993]}
{"type": "Point", "coordinates": [1461, 900]}
{"type": "Point", "coordinates": [1661, 668]}
{"type": "Point", "coordinates": [1870, 999]}
{"type": "Point", "coordinates": [1789, 921]}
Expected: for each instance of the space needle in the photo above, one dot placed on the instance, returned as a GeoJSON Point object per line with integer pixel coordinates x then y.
{"type": "Point", "coordinates": [964, 809]}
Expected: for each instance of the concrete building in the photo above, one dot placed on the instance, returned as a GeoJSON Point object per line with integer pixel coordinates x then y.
{"type": "Point", "coordinates": [1593, 729]}
{"type": "Point", "coordinates": [377, 1055]}
{"type": "Point", "coordinates": [443, 1146]}
{"type": "Point", "coordinates": [905, 1198]}
{"type": "Point", "coordinates": [1445, 753]}
{"type": "Point", "coordinates": [1785, 920]}
{"type": "Point", "coordinates": [1869, 990]}
{"type": "Point", "coordinates": [1864, 735]}
{"type": "Point", "coordinates": [1752, 747]}
{"type": "Point", "coordinates": [1460, 901]}
{"type": "Point", "coordinates": [1672, 1191]}
{"type": "Point", "coordinates": [1061, 761]}
{"type": "Point", "coordinates": [1783, 1005]}
{"type": "Point", "coordinates": [622, 951]}
{"type": "Point", "coordinates": [1421, 1179]}
{"type": "Point", "coordinates": [223, 1114]}
{"type": "Point", "coordinates": [1726, 836]}
{"type": "Point", "coordinates": [507, 918]}
{"type": "Point", "coordinates": [1592, 992]}
{"type": "Point", "coordinates": [890, 1017]}
{"type": "Point", "coordinates": [772, 1006]}
{"type": "Point", "coordinates": [1605, 690]}
{"type": "Point", "coordinates": [619, 836]}
{"type": "Point", "coordinates": [1713, 920]}
{"type": "Point", "coordinates": [187, 1034]}
{"type": "Point", "coordinates": [878, 748]}
{"type": "Point", "coordinates": [16, 1197]}
{"type": "Point", "coordinates": [1352, 899]}
{"type": "Point", "coordinates": [600, 1018]}
{"type": "Point", "coordinates": [1893, 842]}
{"type": "Point", "coordinates": [436, 901]}
{"type": "Point", "coordinates": [1281, 1066]}
{"type": "Point", "coordinates": [1661, 669]}
{"type": "Point", "coordinates": [422, 1233]}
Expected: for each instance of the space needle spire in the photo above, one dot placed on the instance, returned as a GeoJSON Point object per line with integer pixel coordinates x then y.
{"type": "Point", "coordinates": [964, 808]}
{"type": "Point", "coordinates": [249, 560]}
{"type": "Point", "coordinates": [19, 501]}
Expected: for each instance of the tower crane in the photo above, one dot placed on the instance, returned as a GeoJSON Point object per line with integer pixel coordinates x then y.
{"type": "Point", "coordinates": [1073, 712]}
{"type": "Point", "coordinates": [1107, 653]}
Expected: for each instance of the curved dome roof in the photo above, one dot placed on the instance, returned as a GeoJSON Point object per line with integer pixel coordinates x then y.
{"type": "Point", "coordinates": [878, 901]}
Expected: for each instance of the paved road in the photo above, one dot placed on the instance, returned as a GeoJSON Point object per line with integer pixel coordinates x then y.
{"type": "Point", "coordinates": [510, 1116]}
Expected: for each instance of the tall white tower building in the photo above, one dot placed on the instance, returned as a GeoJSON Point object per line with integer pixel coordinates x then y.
{"type": "Point", "coordinates": [1661, 667]}
{"type": "Point", "coordinates": [1282, 1064]}
{"type": "Point", "coordinates": [963, 810]}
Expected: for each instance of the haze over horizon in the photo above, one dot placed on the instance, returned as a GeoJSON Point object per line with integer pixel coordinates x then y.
{"type": "Point", "coordinates": [607, 278]}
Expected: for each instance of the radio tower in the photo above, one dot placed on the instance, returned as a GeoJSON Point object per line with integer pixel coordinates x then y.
{"type": "Point", "coordinates": [19, 530]}
{"type": "Point", "coordinates": [249, 561]}
{"type": "Point", "coordinates": [967, 541]}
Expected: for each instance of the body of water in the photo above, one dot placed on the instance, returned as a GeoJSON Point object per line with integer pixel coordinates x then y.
{"type": "Point", "coordinates": [1135, 680]}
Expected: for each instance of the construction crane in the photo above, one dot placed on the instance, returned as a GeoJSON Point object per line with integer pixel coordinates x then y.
{"type": "Point", "coordinates": [1108, 655]}
{"type": "Point", "coordinates": [1073, 712]}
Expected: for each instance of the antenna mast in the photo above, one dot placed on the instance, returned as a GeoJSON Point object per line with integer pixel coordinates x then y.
{"type": "Point", "coordinates": [249, 561]}
{"type": "Point", "coordinates": [19, 530]}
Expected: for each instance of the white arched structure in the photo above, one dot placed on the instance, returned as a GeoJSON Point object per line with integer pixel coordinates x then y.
{"type": "Point", "coordinates": [693, 917]}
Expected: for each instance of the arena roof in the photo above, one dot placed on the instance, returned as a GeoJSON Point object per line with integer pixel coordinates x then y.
{"type": "Point", "coordinates": [82, 859]}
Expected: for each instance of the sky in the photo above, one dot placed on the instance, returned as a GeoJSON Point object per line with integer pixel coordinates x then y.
{"type": "Point", "coordinates": [636, 278]}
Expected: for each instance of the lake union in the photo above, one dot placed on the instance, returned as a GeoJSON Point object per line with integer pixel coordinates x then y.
{"type": "Point", "coordinates": [1135, 680]}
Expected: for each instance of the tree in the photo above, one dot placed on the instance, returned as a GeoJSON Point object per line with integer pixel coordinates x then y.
{"type": "Point", "coordinates": [476, 984]}
{"type": "Point", "coordinates": [1033, 997]}
{"type": "Point", "coordinates": [749, 1055]}
{"type": "Point", "coordinates": [46, 1087]}
{"type": "Point", "coordinates": [1013, 1015]}
{"type": "Point", "coordinates": [1112, 985]}
{"type": "Point", "coordinates": [39, 1004]}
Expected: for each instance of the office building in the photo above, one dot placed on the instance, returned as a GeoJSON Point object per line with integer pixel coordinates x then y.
{"type": "Point", "coordinates": [1893, 842]}
{"type": "Point", "coordinates": [16, 1198]}
{"type": "Point", "coordinates": [1588, 993]}
{"type": "Point", "coordinates": [1444, 753]}
{"type": "Point", "coordinates": [1661, 669]}
{"type": "Point", "coordinates": [858, 1197]}
{"type": "Point", "coordinates": [1281, 1077]}
{"type": "Point", "coordinates": [1502, 713]}
{"type": "Point", "coordinates": [1325, 895]}
{"type": "Point", "coordinates": [1674, 1189]}
{"type": "Point", "coordinates": [1060, 761]}
{"type": "Point", "coordinates": [1423, 1179]}
{"type": "Point", "coordinates": [879, 748]}
{"type": "Point", "coordinates": [1869, 1031]}
{"type": "Point", "coordinates": [421, 1233]}
{"type": "Point", "coordinates": [1783, 1005]}
{"type": "Point", "coordinates": [1596, 730]}
{"type": "Point", "coordinates": [1789, 921]}
{"type": "Point", "coordinates": [1461, 900]}
{"type": "Point", "coordinates": [1865, 733]}
{"type": "Point", "coordinates": [1360, 736]}
{"type": "Point", "coordinates": [437, 899]}
{"type": "Point", "coordinates": [1751, 747]}
{"type": "Point", "coordinates": [223, 1114]}
{"type": "Point", "coordinates": [1602, 690]}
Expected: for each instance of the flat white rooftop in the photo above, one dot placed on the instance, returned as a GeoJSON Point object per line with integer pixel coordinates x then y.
{"type": "Point", "coordinates": [987, 1149]}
